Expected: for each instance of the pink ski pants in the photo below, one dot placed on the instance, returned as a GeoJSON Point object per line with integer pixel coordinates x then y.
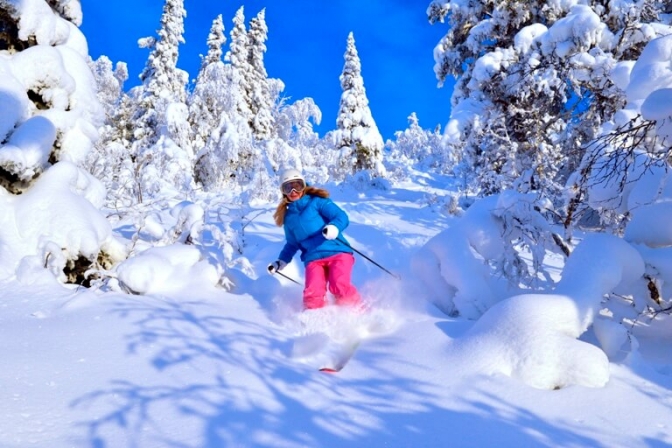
{"type": "Point", "coordinates": [335, 271]}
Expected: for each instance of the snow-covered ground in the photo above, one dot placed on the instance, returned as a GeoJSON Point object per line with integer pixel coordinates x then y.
{"type": "Point", "coordinates": [197, 366]}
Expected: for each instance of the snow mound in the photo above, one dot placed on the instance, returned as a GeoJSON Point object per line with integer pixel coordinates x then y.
{"type": "Point", "coordinates": [163, 269]}
{"type": "Point", "coordinates": [532, 337]}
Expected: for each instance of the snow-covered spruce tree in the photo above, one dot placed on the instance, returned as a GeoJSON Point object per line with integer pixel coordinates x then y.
{"type": "Point", "coordinates": [109, 83]}
{"type": "Point", "coordinates": [163, 82]}
{"type": "Point", "coordinates": [206, 98]}
{"type": "Point", "coordinates": [109, 160]}
{"type": "Point", "coordinates": [261, 97]}
{"type": "Point", "coordinates": [356, 136]}
{"type": "Point", "coordinates": [237, 56]}
{"type": "Point", "coordinates": [240, 141]}
{"type": "Point", "coordinates": [532, 86]}
{"type": "Point", "coordinates": [50, 114]}
{"type": "Point", "coordinates": [210, 100]}
{"type": "Point", "coordinates": [232, 139]}
{"type": "Point", "coordinates": [47, 95]}
{"type": "Point", "coordinates": [220, 115]}
{"type": "Point", "coordinates": [161, 151]}
{"type": "Point", "coordinates": [284, 130]}
{"type": "Point", "coordinates": [234, 155]}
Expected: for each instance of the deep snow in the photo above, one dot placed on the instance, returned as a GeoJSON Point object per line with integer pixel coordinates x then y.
{"type": "Point", "coordinates": [196, 366]}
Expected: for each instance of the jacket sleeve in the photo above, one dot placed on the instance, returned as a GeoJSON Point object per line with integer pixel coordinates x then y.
{"type": "Point", "coordinates": [334, 215]}
{"type": "Point", "coordinates": [290, 248]}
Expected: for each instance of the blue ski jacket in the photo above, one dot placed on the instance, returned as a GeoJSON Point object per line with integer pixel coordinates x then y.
{"type": "Point", "coordinates": [304, 221]}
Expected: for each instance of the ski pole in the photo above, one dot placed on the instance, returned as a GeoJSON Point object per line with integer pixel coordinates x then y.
{"type": "Point", "coordinates": [348, 245]}
{"type": "Point", "coordinates": [288, 278]}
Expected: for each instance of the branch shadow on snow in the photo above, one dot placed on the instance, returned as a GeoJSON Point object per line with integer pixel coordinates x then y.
{"type": "Point", "coordinates": [216, 386]}
{"type": "Point", "coordinates": [519, 426]}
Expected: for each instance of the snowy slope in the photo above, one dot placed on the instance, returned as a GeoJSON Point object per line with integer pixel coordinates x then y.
{"type": "Point", "coordinates": [202, 367]}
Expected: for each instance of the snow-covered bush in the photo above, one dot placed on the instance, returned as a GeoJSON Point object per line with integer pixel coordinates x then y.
{"type": "Point", "coordinates": [50, 116]}
{"type": "Point", "coordinates": [419, 148]}
{"type": "Point", "coordinates": [463, 265]}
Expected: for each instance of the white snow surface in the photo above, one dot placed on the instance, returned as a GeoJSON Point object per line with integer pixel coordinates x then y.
{"type": "Point", "coordinates": [189, 364]}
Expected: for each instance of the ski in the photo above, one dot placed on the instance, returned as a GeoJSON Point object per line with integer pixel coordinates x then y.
{"type": "Point", "coordinates": [339, 356]}
{"type": "Point", "coordinates": [330, 337]}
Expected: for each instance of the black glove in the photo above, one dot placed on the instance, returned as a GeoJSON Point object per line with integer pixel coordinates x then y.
{"type": "Point", "coordinates": [277, 265]}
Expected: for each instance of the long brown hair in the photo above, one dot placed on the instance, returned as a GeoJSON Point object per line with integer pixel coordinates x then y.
{"type": "Point", "coordinates": [279, 214]}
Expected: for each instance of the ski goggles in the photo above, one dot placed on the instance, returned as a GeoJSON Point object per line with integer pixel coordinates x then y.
{"type": "Point", "coordinates": [293, 185]}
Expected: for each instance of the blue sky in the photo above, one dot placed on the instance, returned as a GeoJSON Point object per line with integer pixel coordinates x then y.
{"type": "Point", "coordinates": [306, 42]}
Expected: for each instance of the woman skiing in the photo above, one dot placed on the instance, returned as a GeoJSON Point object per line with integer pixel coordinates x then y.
{"type": "Point", "coordinates": [313, 223]}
